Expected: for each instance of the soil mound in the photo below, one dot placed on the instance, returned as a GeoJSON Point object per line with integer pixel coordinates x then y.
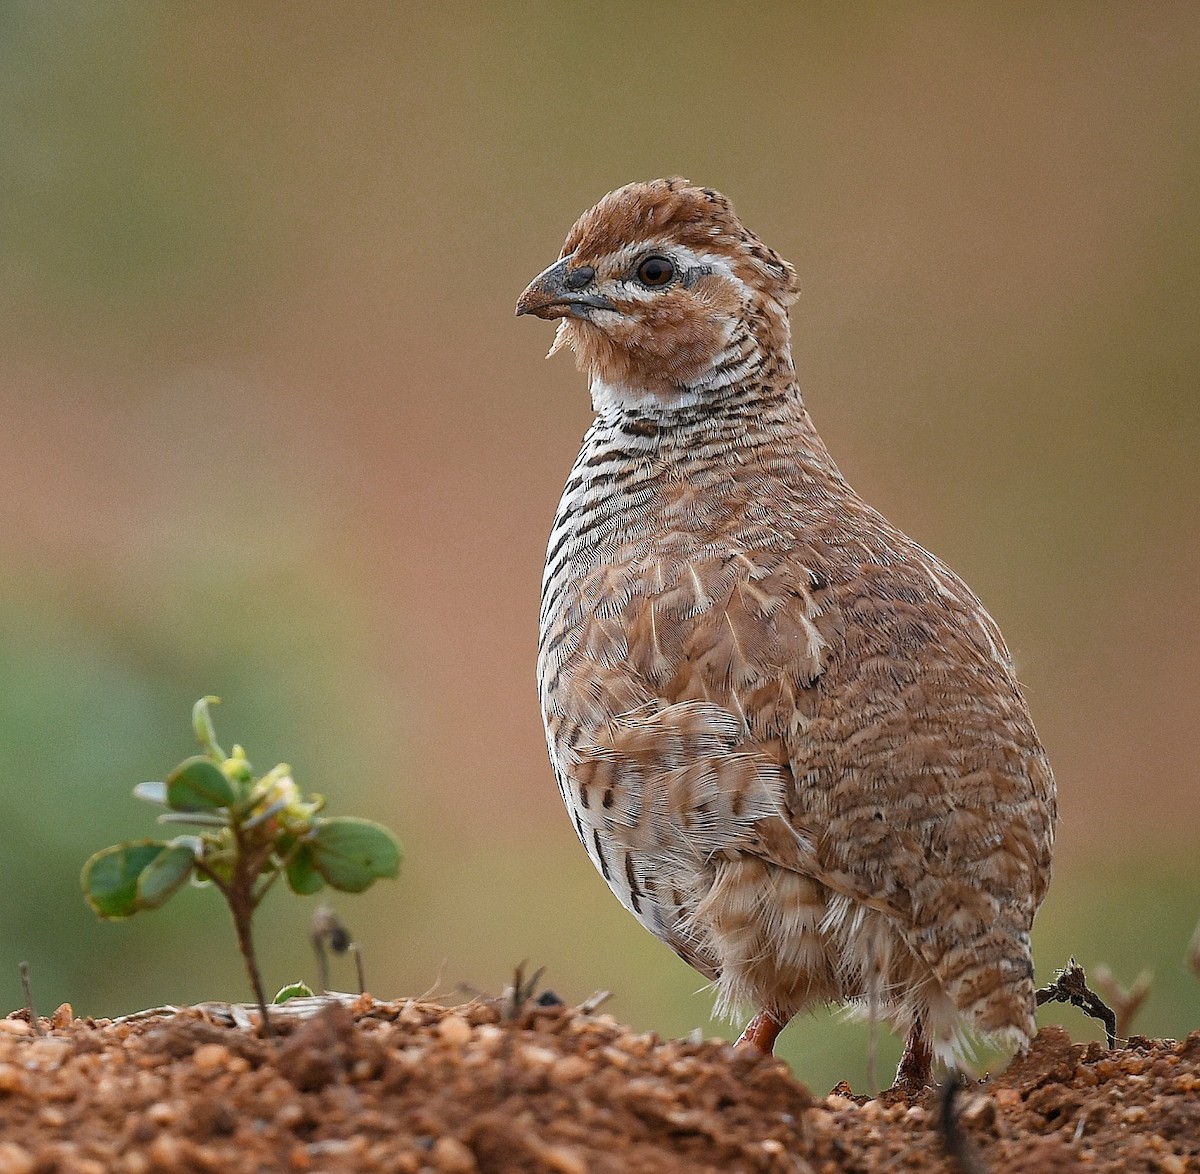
{"type": "Point", "coordinates": [411, 1086]}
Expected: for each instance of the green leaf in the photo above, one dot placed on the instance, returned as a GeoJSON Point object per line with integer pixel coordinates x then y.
{"type": "Point", "coordinates": [110, 877]}
{"type": "Point", "coordinates": [202, 723]}
{"type": "Point", "coordinates": [293, 990]}
{"type": "Point", "coordinates": [196, 784]}
{"type": "Point", "coordinates": [196, 819]}
{"type": "Point", "coordinates": [163, 875]}
{"type": "Point", "coordinates": [351, 854]}
{"type": "Point", "coordinates": [152, 793]}
{"type": "Point", "coordinates": [302, 874]}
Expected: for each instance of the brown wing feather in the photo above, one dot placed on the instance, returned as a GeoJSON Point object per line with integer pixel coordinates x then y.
{"type": "Point", "coordinates": [859, 724]}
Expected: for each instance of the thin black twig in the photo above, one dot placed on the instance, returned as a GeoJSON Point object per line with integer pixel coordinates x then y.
{"type": "Point", "coordinates": [27, 987]}
{"type": "Point", "coordinates": [1070, 986]}
{"type": "Point", "coordinates": [520, 992]}
{"type": "Point", "coordinates": [358, 968]}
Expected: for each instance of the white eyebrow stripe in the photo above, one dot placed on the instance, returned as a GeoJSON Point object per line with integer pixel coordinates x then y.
{"type": "Point", "coordinates": [684, 258]}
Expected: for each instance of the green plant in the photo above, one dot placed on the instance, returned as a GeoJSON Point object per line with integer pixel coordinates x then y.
{"type": "Point", "coordinates": [252, 832]}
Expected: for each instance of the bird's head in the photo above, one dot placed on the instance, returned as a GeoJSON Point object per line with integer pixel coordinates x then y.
{"type": "Point", "coordinates": [665, 297]}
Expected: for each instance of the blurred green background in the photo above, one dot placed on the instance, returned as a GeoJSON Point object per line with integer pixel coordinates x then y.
{"type": "Point", "coordinates": [268, 429]}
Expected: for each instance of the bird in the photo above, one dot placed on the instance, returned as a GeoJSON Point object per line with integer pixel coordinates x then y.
{"type": "Point", "coordinates": [791, 739]}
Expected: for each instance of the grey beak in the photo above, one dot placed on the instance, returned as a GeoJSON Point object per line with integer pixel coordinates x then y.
{"type": "Point", "coordinates": [558, 291]}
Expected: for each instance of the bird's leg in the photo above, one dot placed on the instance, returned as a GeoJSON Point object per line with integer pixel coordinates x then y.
{"type": "Point", "coordinates": [916, 1064]}
{"type": "Point", "coordinates": [761, 1032]}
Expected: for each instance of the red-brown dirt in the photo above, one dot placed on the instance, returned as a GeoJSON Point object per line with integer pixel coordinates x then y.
{"type": "Point", "coordinates": [411, 1086]}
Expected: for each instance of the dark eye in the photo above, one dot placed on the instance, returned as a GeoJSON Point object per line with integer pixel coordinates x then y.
{"type": "Point", "coordinates": [655, 271]}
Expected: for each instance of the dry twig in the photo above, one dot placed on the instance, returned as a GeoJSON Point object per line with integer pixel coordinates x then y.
{"type": "Point", "coordinates": [1126, 1002]}
{"type": "Point", "coordinates": [1070, 986]}
{"type": "Point", "coordinates": [27, 987]}
{"type": "Point", "coordinates": [516, 996]}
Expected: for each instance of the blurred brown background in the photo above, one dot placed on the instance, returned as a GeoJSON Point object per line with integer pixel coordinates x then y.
{"type": "Point", "coordinates": [270, 430]}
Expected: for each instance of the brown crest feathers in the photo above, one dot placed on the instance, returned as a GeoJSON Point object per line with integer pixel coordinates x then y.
{"type": "Point", "coordinates": [678, 211]}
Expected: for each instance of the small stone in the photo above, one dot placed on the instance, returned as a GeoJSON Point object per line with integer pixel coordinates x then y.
{"type": "Point", "coordinates": [15, 1027]}
{"type": "Point", "coordinates": [47, 1054]}
{"type": "Point", "coordinates": [1006, 1098]}
{"type": "Point", "coordinates": [537, 1057]}
{"type": "Point", "coordinates": [1171, 1164]}
{"type": "Point", "coordinates": [203, 1157]}
{"type": "Point", "coordinates": [52, 1117]}
{"type": "Point", "coordinates": [569, 1069]}
{"type": "Point", "coordinates": [166, 1154]}
{"type": "Point", "coordinates": [451, 1156]}
{"type": "Point", "coordinates": [615, 1057]}
{"type": "Point", "coordinates": [981, 1111]}
{"type": "Point", "coordinates": [15, 1159]}
{"type": "Point", "coordinates": [300, 1158]}
{"type": "Point", "coordinates": [210, 1057]}
{"type": "Point", "coordinates": [455, 1030]}
{"type": "Point", "coordinates": [12, 1079]}
{"type": "Point", "coordinates": [561, 1160]}
{"type": "Point", "coordinates": [839, 1103]}
{"type": "Point", "coordinates": [639, 1045]}
{"type": "Point", "coordinates": [410, 1013]}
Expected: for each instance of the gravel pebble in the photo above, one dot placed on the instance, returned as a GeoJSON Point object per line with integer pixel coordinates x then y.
{"type": "Point", "coordinates": [15, 1159]}
{"type": "Point", "coordinates": [455, 1030]}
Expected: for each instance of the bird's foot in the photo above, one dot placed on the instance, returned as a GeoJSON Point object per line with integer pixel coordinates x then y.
{"type": "Point", "coordinates": [761, 1032]}
{"type": "Point", "coordinates": [916, 1064]}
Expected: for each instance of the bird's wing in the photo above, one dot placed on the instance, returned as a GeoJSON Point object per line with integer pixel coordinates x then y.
{"type": "Point", "coordinates": [867, 732]}
{"type": "Point", "coordinates": [706, 661]}
{"type": "Point", "coordinates": [921, 767]}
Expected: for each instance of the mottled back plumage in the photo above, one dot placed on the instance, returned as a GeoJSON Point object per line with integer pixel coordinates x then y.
{"type": "Point", "coordinates": [790, 738]}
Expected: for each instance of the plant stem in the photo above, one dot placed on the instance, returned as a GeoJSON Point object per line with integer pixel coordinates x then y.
{"type": "Point", "coordinates": [242, 904]}
{"type": "Point", "coordinates": [242, 915]}
{"type": "Point", "coordinates": [278, 871]}
{"type": "Point", "coordinates": [239, 895]}
{"type": "Point", "coordinates": [27, 987]}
